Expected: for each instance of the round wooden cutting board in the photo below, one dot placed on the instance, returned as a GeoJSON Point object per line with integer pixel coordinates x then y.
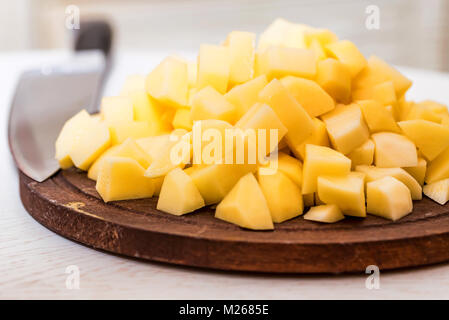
{"type": "Point", "coordinates": [69, 205]}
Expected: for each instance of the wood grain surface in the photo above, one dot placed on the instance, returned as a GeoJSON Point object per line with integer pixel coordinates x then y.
{"type": "Point", "coordinates": [69, 205]}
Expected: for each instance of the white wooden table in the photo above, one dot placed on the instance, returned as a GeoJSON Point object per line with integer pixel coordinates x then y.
{"type": "Point", "coordinates": [33, 260]}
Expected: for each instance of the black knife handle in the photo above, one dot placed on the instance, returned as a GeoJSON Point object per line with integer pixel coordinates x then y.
{"type": "Point", "coordinates": [94, 34]}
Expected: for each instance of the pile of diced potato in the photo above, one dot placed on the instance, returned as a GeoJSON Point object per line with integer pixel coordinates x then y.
{"type": "Point", "coordinates": [348, 141]}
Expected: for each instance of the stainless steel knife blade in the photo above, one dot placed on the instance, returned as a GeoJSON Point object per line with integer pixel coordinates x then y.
{"type": "Point", "coordinates": [45, 98]}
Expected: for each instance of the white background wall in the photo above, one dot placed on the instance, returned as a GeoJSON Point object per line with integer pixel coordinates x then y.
{"type": "Point", "coordinates": [412, 32]}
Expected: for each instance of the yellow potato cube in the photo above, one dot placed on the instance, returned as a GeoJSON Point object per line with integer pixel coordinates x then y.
{"type": "Point", "coordinates": [146, 108]}
{"type": "Point", "coordinates": [374, 173]}
{"type": "Point", "coordinates": [319, 137]}
{"type": "Point", "coordinates": [158, 185]}
{"type": "Point", "coordinates": [170, 154]}
{"type": "Point", "coordinates": [388, 198]}
{"type": "Point", "coordinates": [120, 131]}
{"type": "Point", "coordinates": [128, 149]}
{"type": "Point", "coordinates": [394, 150]}
{"type": "Point", "coordinates": [291, 166]}
{"type": "Point", "coordinates": [378, 71]}
{"type": "Point", "coordinates": [245, 205]}
{"type": "Point", "coordinates": [346, 52]}
{"type": "Point", "coordinates": [64, 143]}
{"type": "Point", "coordinates": [182, 119]}
{"type": "Point", "coordinates": [334, 77]}
{"type": "Point", "coordinates": [89, 144]}
{"type": "Point", "coordinates": [168, 82]}
{"type": "Point", "coordinates": [438, 191]}
{"type": "Point", "coordinates": [346, 127]}
{"type": "Point", "coordinates": [429, 137]}
{"type": "Point", "coordinates": [286, 164]}
{"type": "Point", "coordinates": [377, 117]}
{"type": "Point", "coordinates": [309, 95]}
{"type": "Point", "coordinates": [215, 181]}
{"type": "Point", "coordinates": [324, 161]}
{"type": "Point", "coordinates": [329, 213]}
{"type": "Point", "coordinates": [276, 62]}
{"type": "Point", "coordinates": [95, 167]}
{"type": "Point", "coordinates": [214, 66]}
{"type": "Point", "coordinates": [262, 117]}
{"type": "Point", "coordinates": [241, 46]}
{"type": "Point", "coordinates": [426, 111]}
{"type": "Point", "coordinates": [419, 171]}
{"type": "Point", "coordinates": [363, 155]}
{"type": "Point", "coordinates": [245, 95]}
{"type": "Point", "coordinates": [283, 33]}
{"type": "Point", "coordinates": [382, 92]}
{"type": "Point", "coordinates": [323, 36]}
{"type": "Point", "coordinates": [122, 178]}
{"type": "Point", "coordinates": [438, 169]}
{"type": "Point", "coordinates": [283, 196]}
{"type": "Point", "coordinates": [289, 111]}
{"type": "Point", "coordinates": [179, 194]}
{"type": "Point", "coordinates": [318, 48]}
{"type": "Point", "coordinates": [117, 109]}
{"type": "Point", "coordinates": [192, 73]}
{"type": "Point", "coordinates": [208, 103]}
{"type": "Point", "coordinates": [345, 191]}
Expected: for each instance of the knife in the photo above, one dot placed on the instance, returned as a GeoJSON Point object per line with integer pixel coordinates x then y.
{"type": "Point", "coordinates": [47, 97]}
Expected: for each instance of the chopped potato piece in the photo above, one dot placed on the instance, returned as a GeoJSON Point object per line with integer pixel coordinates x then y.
{"type": "Point", "coordinates": [335, 79]}
{"type": "Point", "coordinates": [388, 198]}
{"type": "Point", "coordinates": [430, 138]}
{"type": "Point", "coordinates": [394, 150]}
{"type": "Point", "coordinates": [208, 103]}
{"type": "Point", "coordinates": [363, 155]}
{"type": "Point", "coordinates": [319, 137]}
{"type": "Point", "coordinates": [262, 117]}
{"type": "Point", "coordinates": [245, 95]}
{"type": "Point", "coordinates": [438, 169]}
{"type": "Point", "coordinates": [178, 194]}
{"type": "Point", "coordinates": [419, 171]}
{"type": "Point", "coordinates": [284, 197]}
{"type": "Point", "coordinates": [245, 205]}
{"type": "Point", "coordinates": [122, 130]}
{"type": "Point", "coordinates": [377, 117]}
{"type": "Point", "coordinates": [276, 62]}
{"type": "Point", "coordinates": [289, 112]}
{"type": "Point", "coordinates": [328, 213]}
{"type": "Point", "coordinates": [215, 181]}
{"type": "Point", "coordinates": [64, 143]}
{"type": "Point", "coordinates": [438, 191]}
{"type": "Point", "coordinates": [309, 95]}
{"type": "Point", "coordinates": [168, 82]}
{"type": "Point", "coordinates": [128, 149]}
{"type": "Point", "coordinates": [123, 178]}
{"type": "Point", "coordinates": [378, 71]}
{"type": "Point", "coordinates": [283, 33]}
{"type": "Point", "coordinates": [383, 93]}
{"type": "Point", "coordinates": [373, 173]}
{"type": "Point", "coordinates": [214, 67]}
{"type": "Point", "coordinates": [182, 119]}
{"type": "Point", "coordinates": [241, 46]}
{"type": "Point", "coordinates": [346, 127]}
{"type": "Point", "coordinates": [346, 52]}
{"type": "Point", "coordinates": [322, 161]}
{"type": "Point", "coordinates": [346, 191]}
{"type": "Point", "coordinates": [115, 109]}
